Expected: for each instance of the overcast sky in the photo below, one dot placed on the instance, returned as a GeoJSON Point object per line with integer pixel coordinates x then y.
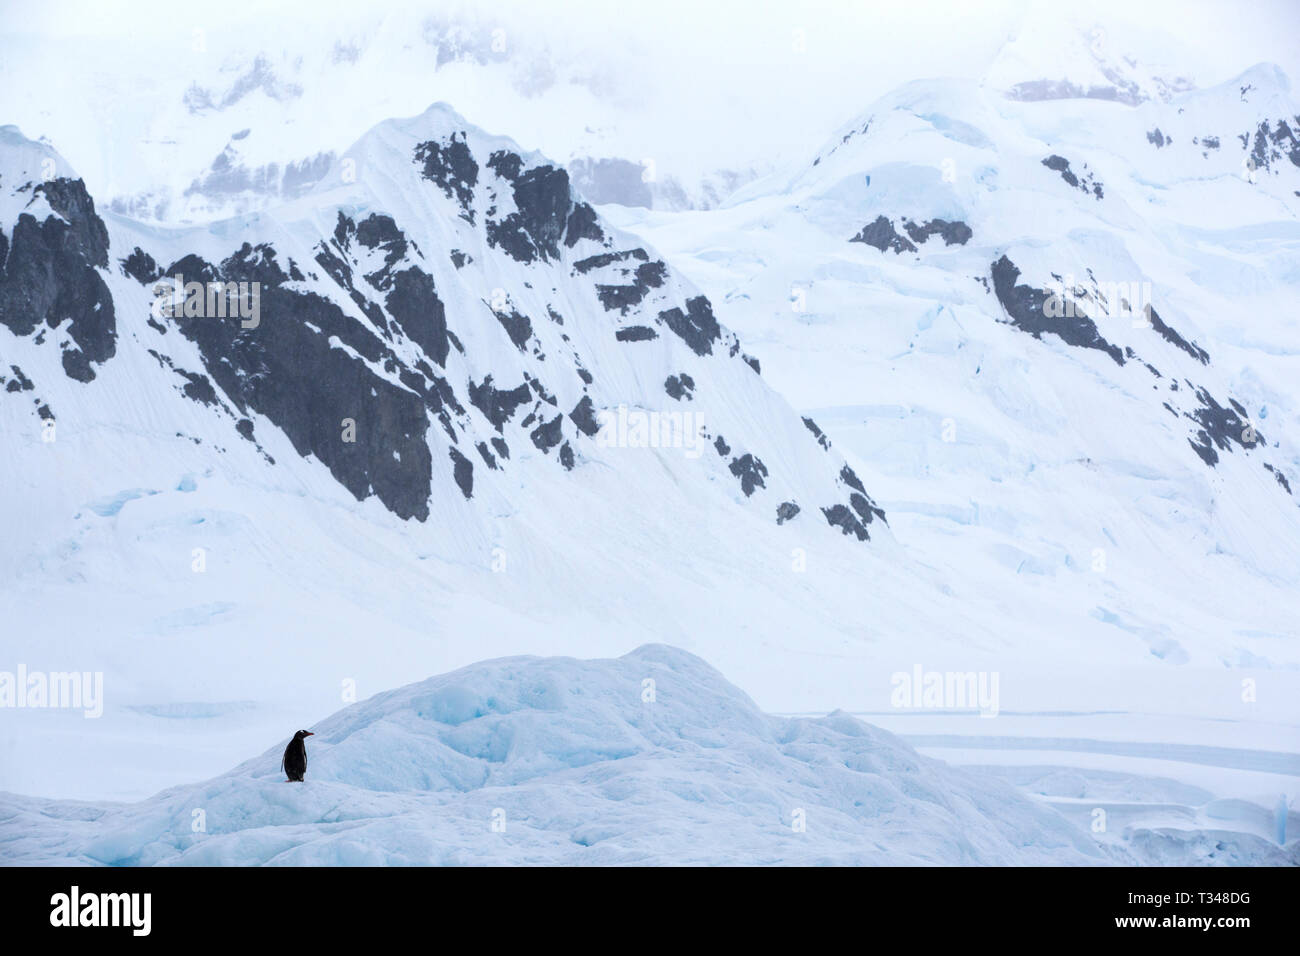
{"type": "Point", "coordinates": [865, 38]}
{"type": "Point", "coordinates": [726, 82]}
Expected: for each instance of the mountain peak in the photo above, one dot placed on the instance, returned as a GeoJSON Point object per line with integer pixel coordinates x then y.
{"type": "Point", "coordinates": [1052, 57]}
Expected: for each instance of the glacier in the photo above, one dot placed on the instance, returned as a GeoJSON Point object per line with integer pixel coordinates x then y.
{"type": "Point", "coordinates": [652, 758]}
{"type": "Point", "coordinates": [939, 432]}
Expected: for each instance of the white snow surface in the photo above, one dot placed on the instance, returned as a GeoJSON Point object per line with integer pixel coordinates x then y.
{"type": "Point", "coordinates": [530, 760]}
{"type": "Point", "coordinates": [1045, 479]}
{"type": "Point", "coordinates": [1123, 683]}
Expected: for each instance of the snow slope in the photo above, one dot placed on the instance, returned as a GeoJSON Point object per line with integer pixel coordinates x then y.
{"type": "Point", "coordinates": [1075, 507]}
{"type": "Point", "coordinates": [191, 520]}
{"type": "Point", "coordinates": [1135, 475]}
{"type": "Point", "coordinates": [1128, 457]}
{"type": "Point", "coordinates": [573, 762]}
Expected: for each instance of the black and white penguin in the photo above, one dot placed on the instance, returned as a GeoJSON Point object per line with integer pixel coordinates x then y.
{"type": "Point", "coordinates": [294, 763]}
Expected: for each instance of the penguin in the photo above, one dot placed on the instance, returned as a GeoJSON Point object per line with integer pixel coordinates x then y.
{"type": "Point", "coordinates": [294, 763]}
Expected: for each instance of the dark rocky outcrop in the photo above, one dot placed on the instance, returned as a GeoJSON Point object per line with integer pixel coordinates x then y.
{"type": "Point", "coordinates": [451, 165]}
{"type": "Point", "coordinates": [506, 164]}
{"type": "Point", "coordinates": [544, 212]}
{"type": "Point", "coordinates": [462, 470]}
{"type": "Point", "coordinates": [1026, 308]}
{"type": "Point", "coordinates": [882, 235]}
{"type": "Point", "coordinates": [1171, 336]}
{"type": "Point", "coordinates": [859, 499]}
{"type": "Point", "coordinates": [517, 326]}
{"type": "Point", "coordinates": [1271, 145]}
{"type": "Point", "coordinates": [584, 416]}
{"type": "Point", "coordinates": [955, 233]}
{"type": "Point", "coordinates": [548, 434]}
{"type": "Point", "coordinates": [680, 386]}
{"type": "Point", "coordinates": [413, 303]}
{"type": "Point", "coordinates": [636, 333]}
{"type": "Point", "coordinates": [287, 370]}
{"type": "Point", "coordinates": [49, 274]}
{"type": "Point", "coordinates": [600, 260]}
{"type": "Point", "coordinates": [1220, 428]}
{"type": "Point", "coordinates": [20, 382]}
{"type": "Point", "coordinates": [139, 265]}
{"type": "Point", "coordinates": [648, 275]}
{"type": "Point", "coordinates": [817, 433]}
{"type": "Point", "coordinates": [839, 516]}
{"type": "Point", "coordinates": [1281, 478]}
{"type": "Point", "coordinates": [1087, 182]}
{"type": "Point", "coordinates": [498, 406]}
{"type": "Point", "coordinates": [696, 326]}
{"type": "Point", "coordinates": [751, 471]}
{"type": "Point", "coordinates": [582, 224]}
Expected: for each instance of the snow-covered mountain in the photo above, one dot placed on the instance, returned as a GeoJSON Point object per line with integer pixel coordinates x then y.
{"type": "Point", "coordinates": [1052, 316]}
{"type": "Point", "coordinates": [445, 357]}
{"type": "Point", "coordinates": [1055, 57]}
{"type": "Point", "coordinates": [256, 118]}
{"type": "Point", "coordinates": [442, 302]}
{"type": "Point", "coordinates": [466, 401]}
{"type": "Point", "coordinates": [1060, 335]}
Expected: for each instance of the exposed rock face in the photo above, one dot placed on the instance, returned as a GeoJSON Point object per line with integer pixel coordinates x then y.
{"type": "Point", "coordinates": [680, 387]}
{"type": "Point", "coordinates": [1270, 144]}
{"type": "Point", "coordinates": [840, 517]}
{"type": "Point", "coordinates": [451, 326]}
{"type": "Point", "coordinates": [452, 167]}
{"type": "Point", "coordinates": [751, 472]}
{"type": "Point", "coordinates": [49, 275]}
{"type": "Point", "coordinates": [1220, 428]}
{"type": "Point", "coordinates": [584, 416]}
{"type": "Point", "coordinates": [1085, 182]}
{"type": "Point", "coordinates": [139, 265]}
{"type": "Point", "coordinates": [636, 333]}
{"type": "Point", "coordinates": [1028, 311]}
{"type": "Point", "coordinates": [648, 275]}
{"type": "Point", "coordinates": [544, 213]}
{"type": "Point", "coordinates": [1215, 428]}
{"type": "Point", "coordinates": [287, 370]}
{"type": "Point", "coordinates": [882, 235]}
{"type": "Point", "coordinates": [952, 233]}
{"type": "Point", "coordinates": [821, 437]}
{"type": "Point", "coordinates": [1172, 336]}
{"type": "Point", "coordinates": [696, 326]}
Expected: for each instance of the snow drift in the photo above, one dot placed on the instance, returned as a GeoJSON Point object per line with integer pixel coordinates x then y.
{"type": "Point", "coordinates": [652, 758]}
{"type": "Point", "coordinates": [1096, 507]}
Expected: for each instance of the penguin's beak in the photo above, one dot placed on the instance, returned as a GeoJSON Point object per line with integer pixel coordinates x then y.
{"type": "Point", "coordinates": [310, 734]}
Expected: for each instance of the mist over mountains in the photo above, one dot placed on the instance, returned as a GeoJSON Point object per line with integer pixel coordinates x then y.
{"type": "Point", "coordinates": [403, 344]}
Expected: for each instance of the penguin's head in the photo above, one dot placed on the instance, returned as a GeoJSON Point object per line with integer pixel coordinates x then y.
{"type": "Point", "coordinates": [303, 733]}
